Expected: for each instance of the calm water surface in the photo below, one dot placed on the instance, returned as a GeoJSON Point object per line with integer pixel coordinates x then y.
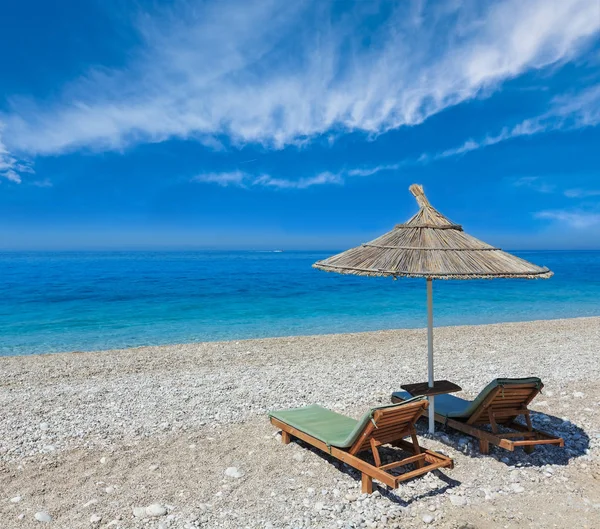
{"type": "Point", "coordinates": [69, 301]}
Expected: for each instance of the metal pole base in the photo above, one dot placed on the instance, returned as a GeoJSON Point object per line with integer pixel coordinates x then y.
{"type": "Point", "coordinates": [431, 415]}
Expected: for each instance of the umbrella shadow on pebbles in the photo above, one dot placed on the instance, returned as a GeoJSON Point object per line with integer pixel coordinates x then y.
{"type": "Point", "coordinates": [429, 485]}
{"type": "Point", "coordinates": [576, 440]}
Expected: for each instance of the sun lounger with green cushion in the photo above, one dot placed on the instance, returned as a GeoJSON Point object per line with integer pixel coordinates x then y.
{"type": "Point", "coordinates": [499, 403]}
{"type": "Point", "coordinates": [345, 438]}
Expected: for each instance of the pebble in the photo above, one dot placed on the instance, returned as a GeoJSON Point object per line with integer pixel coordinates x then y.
{"type": "Point", "coordinates": [16, 499]}
{"type": "Point", "coordinates": [458, 501]}
{"type": "Point", "coordinates": [155, 510]}
{"type": "Point", "coordinates": [233, 472]}
{"type": "Point", "coordinates": [42, 516]}
{"type": "Point", "coordinates": [139, 512]}
{"type": "Point", "coordinates": [516, 487]}
{"type": "Point", "coordinates": [95, 518]}
{"type": "Point", "coordinates": [103, 461]}
{"type": "Point", "coordinates": [427, 519]}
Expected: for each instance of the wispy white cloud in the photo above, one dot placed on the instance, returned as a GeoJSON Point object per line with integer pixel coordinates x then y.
{"type": "Point", "coordinates": [575, 111]}
{"type": "Point", "coordinates": [536, 183]}
{"type": "Point", "coordinates": [281, 74]}
{"type": "Point", "coordinates": [10, 168]}
{"type": "Point", "coordinates": [227, 178]}
{"type": "Point", "coordinates": [302, 183]}
{"type": "Point", "coordinates": [46, 182]}
{"type": "Point", "coordinates": [369, 171]}
{"type": "Point", "coordinates": [567, 112]}
{"type": "Point", "coordinates": [581, 193]}
{"type": "Point", "coordinates": [246, 180]}
{"type": "Point", "coordinates": [575, 219]}
{"type": "Point", "coordinates": [543, 185]}
{"type": "Point", "coordinates": [8, 164]}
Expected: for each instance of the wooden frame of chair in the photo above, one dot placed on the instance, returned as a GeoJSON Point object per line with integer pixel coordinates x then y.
{"type": "Point", "coordinates": [501, 407]}
{"type": "Point", "coordinates": [388, 426]}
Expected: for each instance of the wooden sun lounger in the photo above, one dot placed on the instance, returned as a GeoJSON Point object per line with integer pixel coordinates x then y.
{"type": "Point", "coordinates": [499, 404]}
{"type": "Point", "coordinates": [345, 438]}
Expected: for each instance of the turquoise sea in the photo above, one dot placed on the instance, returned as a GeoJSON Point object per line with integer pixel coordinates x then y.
{"type": "Point", "coordinates": [71, 301]}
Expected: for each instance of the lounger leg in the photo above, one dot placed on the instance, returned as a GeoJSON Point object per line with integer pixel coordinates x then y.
{"type": "Point", "coordinates": [528, 420]}
{"type": "Point", "coordinates": [484, 446]}
{"type": "Point", "coordinates": [375, 450]}
{"type": "Point", "coordinates": [492, 420]}
{"type": "Point", "coordinates": [528, 449]}
{"type": "Point", "coordinates": [416, 447]}
{"type": "Point", "coordinates": [366, 483]}
{"type": "Point", "coordinates": [285, 438]}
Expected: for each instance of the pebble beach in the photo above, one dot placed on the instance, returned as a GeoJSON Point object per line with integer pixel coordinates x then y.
{"type": "Point", "coordinates": [178, 436]}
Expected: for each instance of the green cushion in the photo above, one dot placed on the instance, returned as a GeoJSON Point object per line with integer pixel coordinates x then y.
{"type": "Point", "coordinates": [457, 408]}
{"type": "Point", "coordinates": [328, 426]}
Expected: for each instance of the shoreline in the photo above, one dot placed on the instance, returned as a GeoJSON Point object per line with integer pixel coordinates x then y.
{"type": "Point", "coordinates": [283, 337]}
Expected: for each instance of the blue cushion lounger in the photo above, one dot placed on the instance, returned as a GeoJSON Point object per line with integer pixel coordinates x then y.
{"type": "Point", "coordinates": [345, 438]}
{"type": "Point", "coordinates": [499, 403]}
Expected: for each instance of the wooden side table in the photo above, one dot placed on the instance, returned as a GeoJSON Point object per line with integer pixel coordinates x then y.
{"type": "Point", "coordinates": [439, 387]}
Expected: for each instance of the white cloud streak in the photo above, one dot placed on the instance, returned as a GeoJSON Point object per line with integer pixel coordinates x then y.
{"type": "Point", "coordinates": [247, 180]}
{"type": "Point", "coordinates": [8, 166]}
{"type": "Point", "coordinates": [566, 113]}
{"type": "Point", "coordinates": [46, 182]}
{"type": "Point", "coordinates": [302, 183]}
{"type": "Point", "coordinates": [536, 183]}
{"type": "Point", "coordinates": [582, 193]}
{"type": "Point", "coordinates": [279, 74]}
{"type": "Point", "coordinates": [369, 171]}
{"type": "Point", "coordinates": [11, 169]}
{"type": "Point", "coordinates": [224, 179]}
{"type": "Point", "coordinates": [575, 219]}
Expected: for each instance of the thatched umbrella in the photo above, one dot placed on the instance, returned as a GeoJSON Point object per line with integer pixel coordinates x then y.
{"type": "Point", "coordinates": [431, 246]}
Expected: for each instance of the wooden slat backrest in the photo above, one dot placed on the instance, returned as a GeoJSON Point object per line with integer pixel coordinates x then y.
{"type": "Point", "coordinates": [511, 397]}
{"type": "Point", "coordinates": [390, 424]}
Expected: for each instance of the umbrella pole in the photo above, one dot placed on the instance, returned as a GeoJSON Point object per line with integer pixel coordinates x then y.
{"type": "Point", "coordinates": [430, 351]}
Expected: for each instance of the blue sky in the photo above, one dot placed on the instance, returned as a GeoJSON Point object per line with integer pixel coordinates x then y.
{"type": "Point", "coordinates": [271, 124]}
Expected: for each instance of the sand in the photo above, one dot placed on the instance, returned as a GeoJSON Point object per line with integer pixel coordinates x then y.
{"type": "Point", "coordinates": [89, 439]}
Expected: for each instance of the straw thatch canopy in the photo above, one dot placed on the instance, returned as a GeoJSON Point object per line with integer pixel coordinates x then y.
{"type": "Point", "coordinates": [430, 245]}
